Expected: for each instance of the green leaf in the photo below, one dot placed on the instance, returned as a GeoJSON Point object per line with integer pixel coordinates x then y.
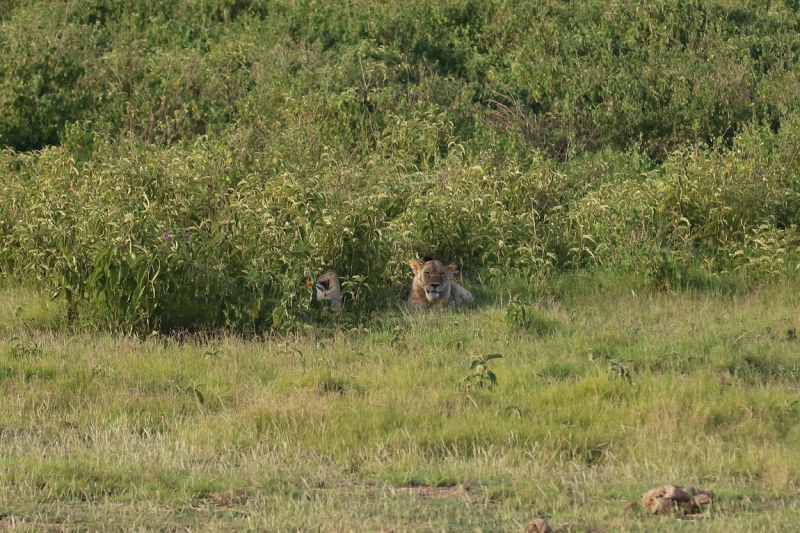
{"type": "Point", "coordinates": [199, 396]}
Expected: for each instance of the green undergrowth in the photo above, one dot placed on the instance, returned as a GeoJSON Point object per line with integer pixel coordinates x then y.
{"type": "Point", "coordinates": [617, 181]}
{"type": "Point", "coordinates": [363, 429]}
{"type": "Point", "coordinates": [141, 239]}
{"type": "Point", "coordinates": [194, 165]}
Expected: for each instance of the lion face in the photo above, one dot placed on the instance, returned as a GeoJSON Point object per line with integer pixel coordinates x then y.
{"type": "Point", "coordinates": [329, 288]}
{"type": "Point", "coordinates": [434, 278]}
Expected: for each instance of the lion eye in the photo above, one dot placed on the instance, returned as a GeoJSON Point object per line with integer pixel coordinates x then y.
{"type": "Point", "coordinates": [427, 274]}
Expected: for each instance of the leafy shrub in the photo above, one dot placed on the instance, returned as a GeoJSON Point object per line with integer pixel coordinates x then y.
{"type": "Point", "coordinates": [480, 375]}
{"type": "Point", "coordinates": [194, 163]}
{"type": "Point", "coordinates": [43, 62]}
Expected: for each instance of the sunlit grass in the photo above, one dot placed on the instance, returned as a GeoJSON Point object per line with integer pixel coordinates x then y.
{"type": "Point", "coordinates": [376, 429]}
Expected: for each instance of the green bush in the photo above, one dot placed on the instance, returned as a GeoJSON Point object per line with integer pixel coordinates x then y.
{"type": "Point", "coordinates": [42, 64]}
{"type": "Point", "coordinates": [193, 164]}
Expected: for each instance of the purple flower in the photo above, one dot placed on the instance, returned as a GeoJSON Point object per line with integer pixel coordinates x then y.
{"type": "Point", "coordinates": [187, 235]}
{"type": "Point", "coordinates": [167, 236]}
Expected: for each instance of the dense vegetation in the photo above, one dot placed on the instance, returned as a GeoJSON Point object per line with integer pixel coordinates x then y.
{"type": "Point", "coordinates": [618, 181]}
{"type": "Point", "coordinates": [174, 164]}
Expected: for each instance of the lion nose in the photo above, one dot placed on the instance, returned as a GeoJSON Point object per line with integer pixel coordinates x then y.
{"type": "Point", "coordinates": [434, 285]}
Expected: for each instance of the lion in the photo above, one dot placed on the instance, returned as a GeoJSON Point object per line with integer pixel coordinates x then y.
{"type": "Point", "coordinates": [329, 288]}
{"type": "Point", "coordinates": [432, 285]}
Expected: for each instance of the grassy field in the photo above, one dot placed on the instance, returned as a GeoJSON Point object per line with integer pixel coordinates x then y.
{"type": "Point", "coordinates": [617, 181]}
{"type": "Point", "coordinates": [602, 393]}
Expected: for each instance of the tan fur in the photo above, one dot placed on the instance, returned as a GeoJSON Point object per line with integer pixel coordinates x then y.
{"type": "Point", "coordinates": [329, 288]}
{"type": "Point", "coordinates": [432, 286]}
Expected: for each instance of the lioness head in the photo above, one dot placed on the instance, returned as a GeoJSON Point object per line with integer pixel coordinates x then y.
{"type": "Point", "coordinates": [433, 277]}
{"type": "Point", "coordinates": [329, 288]}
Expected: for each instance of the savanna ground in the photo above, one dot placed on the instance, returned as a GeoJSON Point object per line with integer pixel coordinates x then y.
{"type": "Point", "coordinates": [603, 393]}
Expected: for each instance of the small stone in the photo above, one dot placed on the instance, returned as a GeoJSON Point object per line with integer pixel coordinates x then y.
{"type": "Point", "coordinates": [538, 525]}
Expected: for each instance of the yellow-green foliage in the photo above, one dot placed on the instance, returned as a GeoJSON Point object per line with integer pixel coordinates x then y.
{"type": "Point", "coordinates": [175, 237]}
{"type": "Point", "coordinates": [182, 164]}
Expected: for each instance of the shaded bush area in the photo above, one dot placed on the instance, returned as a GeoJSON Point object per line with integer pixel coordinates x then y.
{"type": "Point", "coordinates": [562, 78]}
{"type": "Point", "coordinates": [194, 163]}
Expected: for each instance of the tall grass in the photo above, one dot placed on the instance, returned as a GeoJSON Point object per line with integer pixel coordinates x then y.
{"type": "Point", "coordinates": [191, 165]}
{"type": "Point", "coordinates": [144, 238]}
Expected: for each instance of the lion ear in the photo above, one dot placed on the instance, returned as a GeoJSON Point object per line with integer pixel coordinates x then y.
{"type": "Point", "coordinates": [415, 266]}
{"type": "Point", "coordinates": [451, 268]}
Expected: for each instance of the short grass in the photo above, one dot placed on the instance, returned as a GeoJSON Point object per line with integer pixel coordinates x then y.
{"type": "Point", "coordinates": [376, 429]}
